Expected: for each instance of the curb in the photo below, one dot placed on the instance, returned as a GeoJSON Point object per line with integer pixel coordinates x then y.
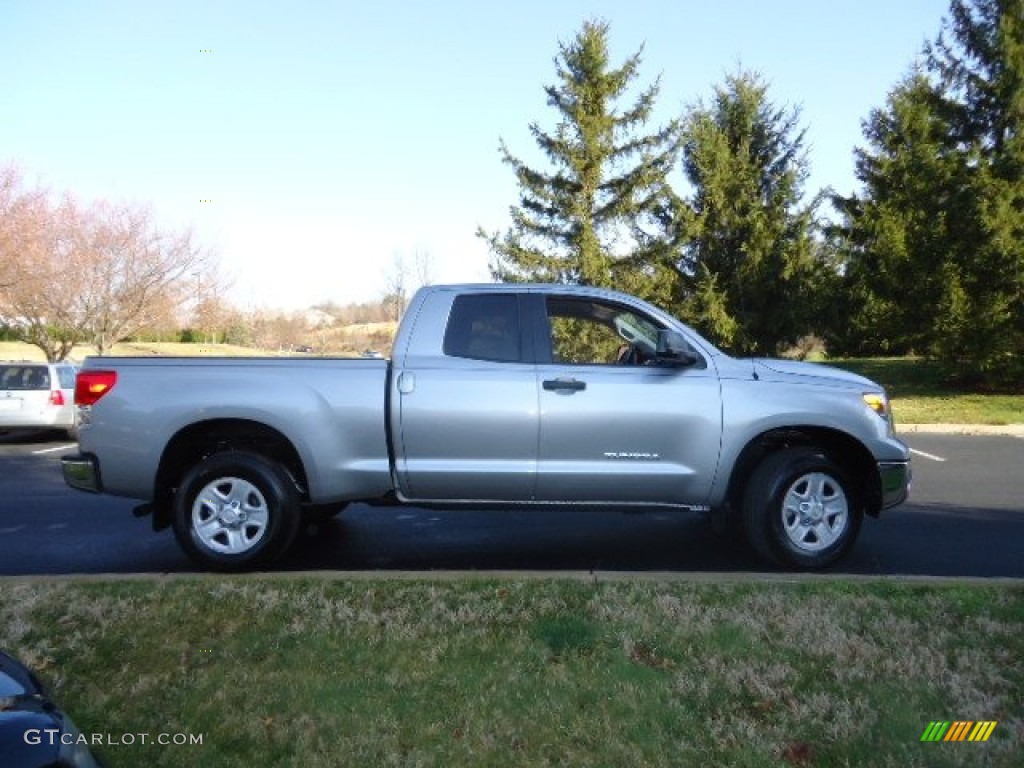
{"type": "Point", "coordinates": [1013, 430]}
{"type": "Point", "coordinates": [594, 577]}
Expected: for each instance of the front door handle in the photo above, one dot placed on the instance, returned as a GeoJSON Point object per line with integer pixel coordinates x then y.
{"type": "Point", "coordinates": [564, 385]}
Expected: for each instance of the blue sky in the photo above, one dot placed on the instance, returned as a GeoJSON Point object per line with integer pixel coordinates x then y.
{"type": "Point", "coordinates": [331, 136]}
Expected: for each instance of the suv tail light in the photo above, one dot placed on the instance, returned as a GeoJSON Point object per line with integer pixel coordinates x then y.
{"type": "Point", "coordinates": [56, 397]}
{"type": "Point", "coordinates": [90, 386]}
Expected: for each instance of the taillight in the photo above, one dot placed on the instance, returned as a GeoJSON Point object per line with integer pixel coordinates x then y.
{"type": "Point", "coordinates": [56, 397]}
{"type": "Point", "coordinates": [90, 386]}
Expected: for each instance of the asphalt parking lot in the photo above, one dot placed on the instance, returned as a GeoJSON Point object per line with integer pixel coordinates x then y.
{"type": "Point", "coordinates": [965, 518]}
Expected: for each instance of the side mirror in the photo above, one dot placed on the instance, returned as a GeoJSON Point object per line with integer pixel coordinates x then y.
{"type": "Point", "coordinates": [674, 349]}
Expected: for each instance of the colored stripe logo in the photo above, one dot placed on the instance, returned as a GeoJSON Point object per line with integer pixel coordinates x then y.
{"type": "Point", "coordinates": [959, 730]}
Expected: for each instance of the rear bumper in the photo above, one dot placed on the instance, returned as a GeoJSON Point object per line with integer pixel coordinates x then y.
{"type": "Point", "coordinates": [82, 471]}
{"type": "Point", "coordinates": [50, 419]}
{"type": "Point", "coordinates": [896, 479]}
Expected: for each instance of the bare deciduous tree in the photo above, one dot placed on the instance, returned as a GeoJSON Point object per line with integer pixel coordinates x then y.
{"type": "Point", "coordinates": [96, 273]}
{"type": "Point", "coordinates": [397, 286]}
{"type": "Point", "coordinates": [128, 267]}
{"type": "Point", "coordinates": [212, 313]}
{"type": "Point", "coordinates": [37, 288]}
{"type": "Point", "coordinates": [12, 214]}
{"type": "Point", "coordinates": [424, 268]}
{"type": "Point", "coordinates": [278, 330]}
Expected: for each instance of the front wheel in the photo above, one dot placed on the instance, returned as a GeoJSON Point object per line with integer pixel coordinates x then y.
{"type": "Point", "coordinates": [235, 511]}
{"type": "Point", "coordinates": [800, 510]}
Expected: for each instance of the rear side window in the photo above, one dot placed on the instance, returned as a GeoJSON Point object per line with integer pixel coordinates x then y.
{"type": "Point", "coordinates": [66, 375]}
{"type": "Point", "coordinates": [24, 377]}
{"type": "Point", "coordinates": [484, 327]}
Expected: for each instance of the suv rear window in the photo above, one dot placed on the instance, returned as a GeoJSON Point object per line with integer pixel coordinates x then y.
{"type": "Point", "coordinates": [24, 377]}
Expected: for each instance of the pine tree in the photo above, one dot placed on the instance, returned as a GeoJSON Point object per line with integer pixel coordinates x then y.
{"type": "Point", "coordinates": [896, 239]}
{"type": "Point", "coordinates": [749, 265]}
{"type": "Point", "coordinates": [934, 243]}
{"type": "Point", "coordinates": [978, 60]}
{"type": "Point", "coordinates": [591, 218]}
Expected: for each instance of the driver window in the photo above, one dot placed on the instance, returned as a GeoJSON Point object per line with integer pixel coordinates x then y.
{"type": "Point", "coordinates": [588, 332]}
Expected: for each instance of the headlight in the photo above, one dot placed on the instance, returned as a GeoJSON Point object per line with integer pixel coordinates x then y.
{"type": "Point", "coordinates": [879, 403]}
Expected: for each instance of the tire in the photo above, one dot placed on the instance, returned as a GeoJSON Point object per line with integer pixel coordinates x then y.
{"type": "Point", "coordinates": [235, 511]}
{"type": "Point", "coordinates": [800, 510]}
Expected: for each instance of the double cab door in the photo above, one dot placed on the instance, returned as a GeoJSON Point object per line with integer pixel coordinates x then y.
{"type": "Point", "coordinates": [547, 397]}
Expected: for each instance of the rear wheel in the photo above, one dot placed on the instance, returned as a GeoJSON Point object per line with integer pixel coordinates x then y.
{"type": "Point", "coordinates": [800, 510]}
{"type": "Point", "coordinates": [235, 511]}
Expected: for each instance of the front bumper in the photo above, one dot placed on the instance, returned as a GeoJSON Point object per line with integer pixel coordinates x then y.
{"type": "Point", "coordinates": [82, 471]}
{"type": "Point", "coordinates": [896, 478]}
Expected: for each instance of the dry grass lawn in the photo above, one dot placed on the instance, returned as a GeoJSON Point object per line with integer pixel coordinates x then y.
{"type": "Point", "coordinates": [278, 671]}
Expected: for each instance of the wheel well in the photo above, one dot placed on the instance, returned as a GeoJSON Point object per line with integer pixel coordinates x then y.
{"type": "Point", "coordinates": [846, 451]}
{"type": "Point", "coordinates": [197, 441]}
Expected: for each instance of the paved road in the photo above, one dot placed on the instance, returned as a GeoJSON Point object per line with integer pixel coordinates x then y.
{"type": "Point", "coordinates": [966, 519]}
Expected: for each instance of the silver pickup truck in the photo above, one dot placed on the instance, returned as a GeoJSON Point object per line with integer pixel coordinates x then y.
{"type": "Point", "coordinates": [496, 395]}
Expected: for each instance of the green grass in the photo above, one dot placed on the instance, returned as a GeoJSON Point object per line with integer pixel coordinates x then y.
{"type": "Point", "coordinates": [959, 409]}
{"type": "Point", "coordinates": [921, 396]}
{"type": "Point", "coordinates": [901, 376]}
{"type": "Point", "coordinates": [318, 672]}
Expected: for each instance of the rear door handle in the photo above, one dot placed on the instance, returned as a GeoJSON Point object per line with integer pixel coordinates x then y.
{"type": "Point", "coordinates": [564, 385]}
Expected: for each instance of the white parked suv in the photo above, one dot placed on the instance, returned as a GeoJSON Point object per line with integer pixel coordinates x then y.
{"type": "Point", "coordinates": [37, 395]}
